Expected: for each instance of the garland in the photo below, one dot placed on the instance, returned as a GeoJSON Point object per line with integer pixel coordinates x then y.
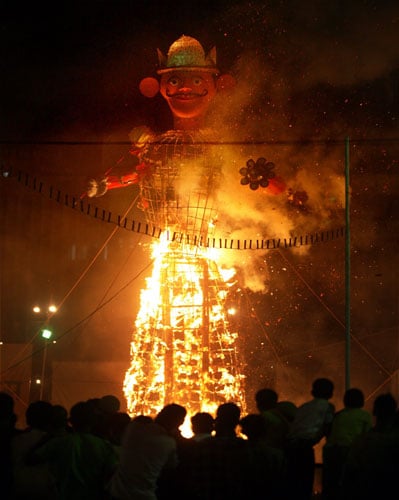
{"type": "Point", "coordinates": [155, 232]}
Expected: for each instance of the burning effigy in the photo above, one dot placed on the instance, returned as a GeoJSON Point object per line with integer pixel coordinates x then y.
{"type": "Point", "coordinates": [182, 348]}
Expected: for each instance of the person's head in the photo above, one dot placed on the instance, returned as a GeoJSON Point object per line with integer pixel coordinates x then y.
{"type": "Point", "coordinates": [266, 399]}
{"type": "Point", "coordinates": [384, 407]}
{"type": "Point", "coordinates": [118, 421]}
{"type": "Point", "coordinates": [82, 416]}
{"type": "Point", "coordinates": [227, 418]}
{"type": "Point", "coordinates": [253, 426]}
{"type": "Point", "coordinates": [59, 417]}
{"type": "Point", "coordinates": [142, 419]}
{"type": "Point", "coordinates": [287, 409]}
{"type": "Point", "coordinates": [171, 417]}
{"type": "Point", "coordinates": [353, 398]}
{"type": "Point", "coordinates": [95, 407]}
{"type": "Point", "coordinates": [322, 388]}
{"type": "Point", "coordinates": [109, 404]}
{"type": "Point", "coordinates": [39, 415]}
{"type": "Point", "coordinates": [202, 423]}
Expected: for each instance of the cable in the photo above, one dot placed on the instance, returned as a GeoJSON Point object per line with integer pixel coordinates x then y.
{"type": "Point", "coordinates": [82, 275]}
{"type": "Point", "coordinates": [333, 315]}
{"type": "Point", "coordinates": [76, 325]}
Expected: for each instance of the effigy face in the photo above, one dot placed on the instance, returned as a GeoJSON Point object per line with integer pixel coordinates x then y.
{"type": "Point", "coordinates": [188, 93]}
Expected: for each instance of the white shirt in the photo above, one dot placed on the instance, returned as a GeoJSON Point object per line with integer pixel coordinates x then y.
{"type": "Point", "coordinates": [311, 420]}
{"type": "Point", "coordinates": [146, 450]}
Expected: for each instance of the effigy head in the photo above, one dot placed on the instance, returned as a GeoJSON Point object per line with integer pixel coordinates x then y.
{"type": "Point", "coordinates": [189, 78]}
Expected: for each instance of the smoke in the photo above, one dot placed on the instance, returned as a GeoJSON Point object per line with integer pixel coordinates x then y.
{"type": "Point", "coordinates": [285, 52]}
{"type": "Point", "coordinates": [347, 44]}
{"type": "Point", "coordinates": [312, 171]}
{"type": "Point", "coordinates": [313, 42]}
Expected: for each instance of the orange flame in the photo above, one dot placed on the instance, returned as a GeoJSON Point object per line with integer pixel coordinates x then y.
{"type": "Point", "coordinates": [182, 350]}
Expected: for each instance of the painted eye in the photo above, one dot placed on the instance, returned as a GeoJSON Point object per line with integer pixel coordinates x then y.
{"type": "Point", "coordinates": [197, 81]}
{"type": "Point", "coordinates": [174, 82]}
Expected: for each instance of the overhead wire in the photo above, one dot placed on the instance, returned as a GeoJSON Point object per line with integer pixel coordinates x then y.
{"type": "Point", "coordinates": [69, 292]}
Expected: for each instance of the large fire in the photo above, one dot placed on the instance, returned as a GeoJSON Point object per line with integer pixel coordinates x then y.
{"type": "Point", "coordinates": [182, 350]}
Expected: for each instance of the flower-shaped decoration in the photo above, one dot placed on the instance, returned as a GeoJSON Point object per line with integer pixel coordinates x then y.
{"type": "Point", "coordinates": [257, 173]}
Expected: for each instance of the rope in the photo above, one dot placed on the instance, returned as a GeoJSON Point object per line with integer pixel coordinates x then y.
{"type": "Point", "coordinates": [121, 221]}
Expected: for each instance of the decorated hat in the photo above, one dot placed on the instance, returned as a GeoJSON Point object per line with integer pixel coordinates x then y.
{"type": "Point", "coordinates": [187, 54]}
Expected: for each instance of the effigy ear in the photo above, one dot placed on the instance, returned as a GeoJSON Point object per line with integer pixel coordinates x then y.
{"type": "Point", "coordinates": [149, 86]}
{"type": "Point", "coordinates": [162, 59]}
{"type": "Point", "coordinates": [211, 56]}
{"type": "Point", "coordinates": [225, 83]}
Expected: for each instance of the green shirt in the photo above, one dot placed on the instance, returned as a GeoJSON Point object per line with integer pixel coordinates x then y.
{"type": "Point", "coordinates": [348, 424]}
{"type": "Point", "coordinates": [81, 463]}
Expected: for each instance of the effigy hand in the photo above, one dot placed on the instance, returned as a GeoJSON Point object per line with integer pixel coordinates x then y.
{"type": "Point", "coordinates": [96, 187]}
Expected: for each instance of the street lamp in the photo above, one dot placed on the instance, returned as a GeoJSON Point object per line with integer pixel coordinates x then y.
{"type": "Point", "coordinates": [51, 309]}
{"type": "Point", "coordinates": [45, 333]}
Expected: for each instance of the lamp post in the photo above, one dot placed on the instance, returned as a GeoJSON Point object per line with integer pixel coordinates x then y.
{"type": "Point", "coordinates": [46, 335]}
{"type": "Point", "coordinates": [1, 366]}
{"type": "Point", "coordinates": [40, 370]}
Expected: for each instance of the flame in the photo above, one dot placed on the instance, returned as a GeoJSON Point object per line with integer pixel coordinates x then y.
{"type": "Point", "coordinates": [182, 350]}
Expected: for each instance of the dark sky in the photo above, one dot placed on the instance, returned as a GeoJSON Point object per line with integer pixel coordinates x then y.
{"type": "Point", "coordinates": [77, 65]}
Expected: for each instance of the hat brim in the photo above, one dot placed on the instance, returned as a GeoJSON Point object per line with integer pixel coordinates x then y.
{"type": "Point", "coordinates": [206, 69]}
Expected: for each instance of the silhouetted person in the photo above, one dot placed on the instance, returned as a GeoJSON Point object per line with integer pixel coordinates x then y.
{"type": "Point", "coordinates": [177, 484]}
{"type": "Point", "coordinates": [110, 404]}
{"type": "Point", "coordinates": [81, 462]}
{"type": "Point", "coordinates": [266, 399]}
{"type": "Point", "coordinates": [227, 420]}
{"type": "Point", "coordinates": [171, 480]}
{"type": "Point", "coordinates": [143, 419]}
{"type": "Point", "coordinates": [59, 421]}
{"type": "Point", "coordinates": [347, 425]}
{"type": "Point", "coordinates": [117, 424]}
{"type": "Point", "coordinates": [202, 425]}
{"type": "Point", "coordinates": [103, 408]}
{"type": "Point", "coordinates": [33, 481]}
{"type": "Point", "coordinates": [384, 412]}
{"type": "Point", "coordinates": [268, 469]}
{"type": "Point", "coordinates": [372, 465]}
{"type": "Point", "coordinates": [171, 417]}
{"type": "Point", "coordinates": [278, 416]}
{"type": "Point", "coordinates": [8, 420]}
{"type": "Point", "coordinates": [312, 422]}
{"type": "Point", "coordinates": [148, 448]}
{"type": "Point", "coordinates": [221, 466]}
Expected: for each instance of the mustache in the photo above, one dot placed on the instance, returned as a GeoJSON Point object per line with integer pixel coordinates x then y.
{"type": "Point", "coordinates": [185, 94]}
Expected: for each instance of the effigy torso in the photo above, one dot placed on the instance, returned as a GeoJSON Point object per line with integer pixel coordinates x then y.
{"type": "Point", "coordinates": [179, 187]}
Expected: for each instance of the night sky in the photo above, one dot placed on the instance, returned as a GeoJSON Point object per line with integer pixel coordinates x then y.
{"type": "Point", "coordinates": [309, 74]}
{"type": "Point", "coordinates": [78, 65]}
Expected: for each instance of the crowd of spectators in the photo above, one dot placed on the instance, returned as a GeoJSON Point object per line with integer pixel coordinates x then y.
{"type": "Point", "coordinates": [94, 451]}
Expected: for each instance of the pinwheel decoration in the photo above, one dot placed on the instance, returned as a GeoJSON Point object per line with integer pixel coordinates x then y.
{"type": "Point", "coordinates": [257, 173]}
